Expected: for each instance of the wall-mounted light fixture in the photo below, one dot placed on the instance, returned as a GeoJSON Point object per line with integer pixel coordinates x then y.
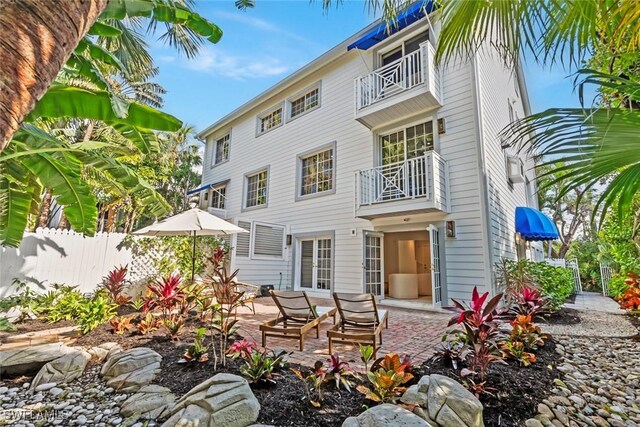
{"type": "Point", "coordinates": [451, 228]}
{"type": "Point", "coordinates": [289, 239]}
{"type": "Point", "coordinates": [442, 127]}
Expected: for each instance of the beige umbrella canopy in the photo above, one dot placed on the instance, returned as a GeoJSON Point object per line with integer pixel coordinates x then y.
{"type": "Point", "coordinates": [194, 222]}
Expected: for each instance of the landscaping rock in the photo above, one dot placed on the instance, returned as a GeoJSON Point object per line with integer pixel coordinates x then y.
{"type": "Point", "coordinates": [132, 369]}
{"type": "Point", "coordinates": [25, 359]}
{"type": "Point", "coordinates": [222, 400]}
{"type": "Point", "coordinates": [387, 415]}
{"type": "Point", "coordinates": [101, 351]}
{"type": "Point", "coordinates": [149, 403]}
{"type": "Point", "coordinates": [450, 404]}
{"type": "Point", "coordinates": [63, 369]}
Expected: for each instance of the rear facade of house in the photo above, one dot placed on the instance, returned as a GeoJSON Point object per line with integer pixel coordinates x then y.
{"type": "Point", "coordinates": [372, 170]}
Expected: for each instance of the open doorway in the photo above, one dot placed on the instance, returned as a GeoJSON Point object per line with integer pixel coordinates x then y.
{"type": "Point", "coordinates": [407, 266]}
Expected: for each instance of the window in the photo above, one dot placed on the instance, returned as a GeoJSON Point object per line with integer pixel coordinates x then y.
{"type": "Point", "coordinates": [304, 103]}
{"type": "Point", "coordinates": [269, 120]}
{"type": "Point", "coordinates": [405, 48]}
{"type": "Point", "coordinates": [243, 239]}
{"type": "Point", "coordinates": [408, 143]}
{"type": "Point", "coordinates": [268, 240]}
{"type": "Point", "coordinates": [316, 172]}
{"type": "Point", "coordinates": [256, 189]}
{"type": "Point", "coordinates": [221, 150]}
{"type": "Point", "coordinates": [217, 198]}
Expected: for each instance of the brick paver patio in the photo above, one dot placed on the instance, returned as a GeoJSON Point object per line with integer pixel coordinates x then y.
{"type": "Point", "coordinates": [410, 331]}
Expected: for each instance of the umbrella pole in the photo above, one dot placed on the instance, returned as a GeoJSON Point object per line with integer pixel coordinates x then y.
{"type": "Point", "coordinates": [193, 259]}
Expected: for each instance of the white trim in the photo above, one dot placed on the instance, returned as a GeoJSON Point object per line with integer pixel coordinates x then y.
{"type": "Point", "coordinates": [330, 146]}
{"type": "Point", "coordinates": [245, 188]}
{"type": "Point", "coordinates": [259, 117]}
{"type": "Point", "coordinates": [317, 85]}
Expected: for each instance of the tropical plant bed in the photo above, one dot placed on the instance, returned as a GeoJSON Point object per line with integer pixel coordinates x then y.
{"type": "Point", "coordinates": [515, 391]}
{"type": "Point", "coordinates": [36, 325]}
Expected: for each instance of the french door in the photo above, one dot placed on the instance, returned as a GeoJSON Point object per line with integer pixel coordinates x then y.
{"type": "Point", "coordinates": [315, 264]}
{"type": "Point", "coordinates": [436, 278]}
{"type": "Point", "coordinates": [373, 263]}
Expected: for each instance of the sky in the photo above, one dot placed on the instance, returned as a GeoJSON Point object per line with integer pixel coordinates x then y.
{"type": "Point", "coordinates": [263, 45]}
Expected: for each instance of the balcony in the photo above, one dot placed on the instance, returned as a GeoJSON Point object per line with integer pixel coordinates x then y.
{"type": "Point", "coordinates": [413, 186]}
{"type": "Point", "coordinates": [409, 84]}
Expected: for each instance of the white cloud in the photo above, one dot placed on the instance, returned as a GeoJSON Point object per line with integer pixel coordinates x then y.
{"type": "Point", "coordinates": [263, 25]}
{"type": "Point", "coordinates": [239, 67]}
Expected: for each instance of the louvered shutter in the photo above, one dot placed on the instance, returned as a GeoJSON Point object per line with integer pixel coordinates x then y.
{"type": "Point", "coordinates": [243, 239]}
{"type": "Point", "coordinates": [268, 240]}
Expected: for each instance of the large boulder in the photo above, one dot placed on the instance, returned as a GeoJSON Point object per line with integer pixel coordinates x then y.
{"type": "Point", "coordinates": [386, 415]}
{"type": "Point", "coordinates": [63, 369]}
{"type": "Point", "coordinates": [445, 401]}
{"type": "Point", "coordinates": [129, 370]}
{"type": "Point", "coordinates": [27, 359]}
{"type": "Point", "coordinates": [222, 400]}
{"type": "Point", "coordinates": [149, 403]}
{"type": "Point", "coordinates": [102, 351]}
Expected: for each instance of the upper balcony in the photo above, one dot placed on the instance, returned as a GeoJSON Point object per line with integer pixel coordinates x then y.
{"type": "Point", "coordinates": [408, 84]}
{"type": "Point", "coordinates": [416, 185]}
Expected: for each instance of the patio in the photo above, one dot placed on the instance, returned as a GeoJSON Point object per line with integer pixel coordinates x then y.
{"type": "Point", "coordinates": [410, 331]}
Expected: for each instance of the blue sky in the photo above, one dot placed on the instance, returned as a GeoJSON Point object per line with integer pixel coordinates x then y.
{"type": "Point", "coordinates": [265, 44]}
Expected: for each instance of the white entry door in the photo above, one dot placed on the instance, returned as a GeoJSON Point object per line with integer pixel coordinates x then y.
{"type": "Point", "coordinates": [436, 279]}
{"type": "Point", "coordinates": [373, 263]}
{"type": "Point", "coordinates": [315, 264]}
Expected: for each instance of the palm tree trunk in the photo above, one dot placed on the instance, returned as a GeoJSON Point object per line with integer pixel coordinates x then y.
{"type": "Point", "coordinates": [37, 37]}
{"type": "Point", "coordinates": [63, 224]}
{"type": "Point", "coordinates": [45, 209]}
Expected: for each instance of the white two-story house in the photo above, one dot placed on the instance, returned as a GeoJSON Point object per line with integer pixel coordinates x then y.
{"type": "Point", "coordinates": [371, 170]}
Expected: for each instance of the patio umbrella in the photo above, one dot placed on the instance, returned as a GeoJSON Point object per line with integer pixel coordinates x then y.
{"type": "Point", "coordinates": [194, 222]}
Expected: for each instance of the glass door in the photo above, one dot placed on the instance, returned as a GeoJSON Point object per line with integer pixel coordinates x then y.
{"type": "Point", "coordinates": [373, 265]}
{"type": "Point", "coordinates": [315, 264]}
{"type": "Point", "coordinates": [436, 279]}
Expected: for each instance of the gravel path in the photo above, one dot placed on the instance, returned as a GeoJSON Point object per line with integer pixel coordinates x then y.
{"type": "Point", "coordinates": [601, 366]}
{"type": "Point", "coordinates": [86, 401]}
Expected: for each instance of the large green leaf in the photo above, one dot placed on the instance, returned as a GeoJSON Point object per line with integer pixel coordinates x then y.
{"type": "Point", "coordinates": [15, 205]}
{"type": "Point", "coordinates": [69, 101]}
{"type": "Point", "coordinates": [163, 11]}
{"type": "Point", "coordinates": [103, 29]}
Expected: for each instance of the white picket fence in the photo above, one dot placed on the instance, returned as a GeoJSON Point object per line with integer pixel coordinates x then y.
{"type": "Point", "coordinates": [51, 256]}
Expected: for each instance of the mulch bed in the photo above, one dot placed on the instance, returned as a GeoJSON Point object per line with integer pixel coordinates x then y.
{"type": "Point", "coordinates": [519, 389]}
{"type": "Point", "coordinates": [36, 325]}
{"type": "Point", "coordinates": [565, 316]}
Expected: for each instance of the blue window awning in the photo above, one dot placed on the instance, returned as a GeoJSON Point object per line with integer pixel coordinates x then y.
{"type": "Point", "coordinates": [199, 189]}
{"type": "Point", "coordinates": [534, 225]}
{"type": "Point", "coordinates": [413, 13]}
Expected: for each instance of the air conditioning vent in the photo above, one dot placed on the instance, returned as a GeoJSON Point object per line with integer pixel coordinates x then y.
{"type": "Point", "coordinates": [515, 169]}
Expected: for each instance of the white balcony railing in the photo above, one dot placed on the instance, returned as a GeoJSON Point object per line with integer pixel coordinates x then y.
{"type": "Point", "coordinates": [422, 177]}
{"type": "Point", "coordinates": [395, 77]}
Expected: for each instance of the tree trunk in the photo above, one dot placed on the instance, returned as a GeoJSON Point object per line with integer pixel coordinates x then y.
{"type": "Point", "coordinates": [63, 224]}
{"type": "Point", "coordinates": [36, 39]}
{"type": "Point", "coordinates": [45, 209]}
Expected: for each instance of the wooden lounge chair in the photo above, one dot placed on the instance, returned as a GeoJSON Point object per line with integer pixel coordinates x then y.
{"type": "Point", "coordinates": [360, 322]}
{"type": "Point", "coordinates": [296, 317]}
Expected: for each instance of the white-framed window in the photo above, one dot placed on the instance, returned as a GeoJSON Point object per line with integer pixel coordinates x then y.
{"type": "Point", "coordinates": [405, 144]}
{"type": "Point", "coordinates": [243, 240]}
{"type": "Point", "coordinates": [268, 240]}
{"type": "Point", "coordinates": [220, 150]}
{"type": "Point", "coordinates": [217, 196]}
{"type": "Point", "coordinates": [316, 171]}
{"type": "Point", "coordinates": [301, 104]}
{"type": "Point", "coordinates": [269, 120]}
{"type": "Point", "coordinates": [256, 188]}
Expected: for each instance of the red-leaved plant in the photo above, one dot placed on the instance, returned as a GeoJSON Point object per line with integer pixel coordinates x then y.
{"type": "Point", "coordinates": [114, 283]}
{"type": "Point", "coordinates": [480, 333]}
{"type": "Point", "coordinates": [530, 302]}
{"type": "Point", "coordinates": [630, 300]}
{"type": "Point", "coordinates": [165, 295]}
{"type": "Point", "coordinates": [340, 371]}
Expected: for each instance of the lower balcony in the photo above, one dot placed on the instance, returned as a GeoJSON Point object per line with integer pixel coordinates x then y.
{"type": "Point", "coordinates": [416, 185]}
{"type": "Point", "coordinates": [220, 213]}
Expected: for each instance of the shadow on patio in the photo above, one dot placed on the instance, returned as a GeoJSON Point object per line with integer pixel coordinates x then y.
{"type": "Point", "coordinates": [412, 332]}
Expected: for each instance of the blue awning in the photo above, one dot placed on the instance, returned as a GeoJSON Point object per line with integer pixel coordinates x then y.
{"type": "Point", "coordinates": [416, 11]}
{"type": "Point", "coordinates": [534, 225]}
{"type": "Point", "coordinates": [199, 189]}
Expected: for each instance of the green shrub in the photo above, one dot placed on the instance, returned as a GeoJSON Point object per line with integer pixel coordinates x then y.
{"type": "Point", "coordinates": [617, 286]}
{"type": "Point", "coordinates": [556, 283]}
{"type": "Point", "coordinates": [93, 312]}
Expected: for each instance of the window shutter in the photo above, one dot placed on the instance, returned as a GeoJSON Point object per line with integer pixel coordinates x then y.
{"type": "Point", "coordinates": [268, 240]}
{"type": "Point", "coordinates": [243, 239]}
